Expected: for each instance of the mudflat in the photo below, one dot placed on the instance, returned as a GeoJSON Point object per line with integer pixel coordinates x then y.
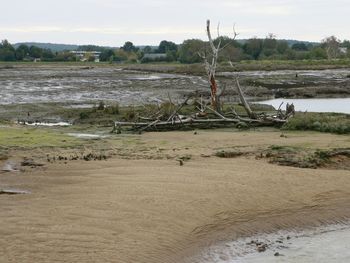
{"type": "Point", "coordinates": [166, 202]}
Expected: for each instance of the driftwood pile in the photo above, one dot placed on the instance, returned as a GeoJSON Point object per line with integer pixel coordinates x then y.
{"type": "Point", "coordinates": [206, 116]}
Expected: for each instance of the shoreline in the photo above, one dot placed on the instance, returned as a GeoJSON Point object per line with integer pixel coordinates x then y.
{"type": "Point", "coordinates": [246, 238]}
{"type": "Point", "coordinates": [293, 245]}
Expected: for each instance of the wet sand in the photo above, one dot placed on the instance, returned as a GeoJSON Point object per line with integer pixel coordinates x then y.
{"type": "Point", "coordinates": [148, 210]}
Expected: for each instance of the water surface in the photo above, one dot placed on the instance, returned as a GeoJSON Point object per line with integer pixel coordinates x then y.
{"type": "Point", "coordinates": [340, 105]}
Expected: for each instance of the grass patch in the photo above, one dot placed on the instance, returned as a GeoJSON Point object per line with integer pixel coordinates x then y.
{"type": "Point", "coordinates": [35, 137]}
{"type": "Point", "coordinates": [283, 148]}
{"type": "Point", "coordinates": [322, 122]}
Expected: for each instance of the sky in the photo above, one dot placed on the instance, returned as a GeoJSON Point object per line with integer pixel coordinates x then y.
{"type": "Point", "coordinates": [147, 22]}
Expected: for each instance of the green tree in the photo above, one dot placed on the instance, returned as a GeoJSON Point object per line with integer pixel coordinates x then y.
{"type": "Point", "coordinates": [346, 43]}
{"type": "Point", "coordinates": [7, 51]}
{"type": "Point", "coordinates": [129, 47]}
{"type": "Point", "coordinates": [147, 50]}
{"type": "Point", "coordinates": [270, 42]}
{"type": "Point", "coordinates": [120, 55]}
{"type": "Point", "coordinates": [253, 47]}
{"type": "Point", "coordinates": [35, 52]}
{"type": "Point", "coordinates": [318, 53]}
{"type": "Point", "coordinates": [165, 46]}
{"type": "Point", "coordinates": [106, 55]}
{"type": "Point", "coordinates": [47, 54]}
{"type": "Point", "coordinates": [300, 46]}
{"type": "Point", "coordinates": [189, 51]}
{"type": "Point", "coordinates": [22, 51]}
{"type": "Point", "coordinates": [282, 46]}
{"type": "Point", "coordinates": [269, 45]}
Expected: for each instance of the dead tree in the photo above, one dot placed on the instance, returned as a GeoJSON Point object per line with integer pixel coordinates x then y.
{"type": "Point", "coordinates": [211, 63]}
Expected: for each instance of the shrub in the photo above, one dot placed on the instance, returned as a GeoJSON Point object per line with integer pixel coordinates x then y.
{"type": "Point", "coordinates": [323, 122]}
{"type": "Point", "coordinates": [112, 109]}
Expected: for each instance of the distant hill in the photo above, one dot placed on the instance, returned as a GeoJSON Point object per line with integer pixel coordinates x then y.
{"type": "Point", "coordinates": [61, 47]}
{"type": "Point", "coordinates": [291, 42]}
{"type": "Point", "coordinates": [53, 47]}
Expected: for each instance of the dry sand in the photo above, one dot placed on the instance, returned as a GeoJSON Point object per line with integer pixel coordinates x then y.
{"type": "Point", "coordinates": [143, 210]}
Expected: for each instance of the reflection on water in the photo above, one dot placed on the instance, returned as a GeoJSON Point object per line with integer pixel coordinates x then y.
{"type": "Point", "coordinates": [341, 105]}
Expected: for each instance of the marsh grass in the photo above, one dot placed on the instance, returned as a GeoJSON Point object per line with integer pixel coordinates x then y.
{"type": "Point", "coordinates": [35, 137]}
{"type": "Point", "coordinates": [322, 122]}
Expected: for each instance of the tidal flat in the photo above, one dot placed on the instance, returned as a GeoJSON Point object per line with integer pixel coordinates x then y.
{"type": "Point", "coordinates": [81, 193]}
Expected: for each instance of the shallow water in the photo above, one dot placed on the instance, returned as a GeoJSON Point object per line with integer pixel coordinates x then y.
{"type": "Point", "coordinates": [341, 105]}
{"type": "Point", "coordinates": [329, 244]}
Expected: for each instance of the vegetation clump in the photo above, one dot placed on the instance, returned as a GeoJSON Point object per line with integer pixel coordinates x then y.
{"type": "Point", "coordinates": [322, 122]}
{"type": "Point", "coordinates": [228, 154]}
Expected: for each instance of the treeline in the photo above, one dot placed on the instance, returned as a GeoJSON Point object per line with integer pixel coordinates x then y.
{"type": "Point", "coordinates": [190, 51]}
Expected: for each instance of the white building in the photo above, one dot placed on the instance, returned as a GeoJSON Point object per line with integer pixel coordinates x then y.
{"type": "Point", "coordinates": [84, 55]}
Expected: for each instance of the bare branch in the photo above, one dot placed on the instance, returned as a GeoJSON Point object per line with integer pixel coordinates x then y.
{"type": "Point", "coordinates": [218, 29]}
{"type": "Point", "coordinates": [235, 34]}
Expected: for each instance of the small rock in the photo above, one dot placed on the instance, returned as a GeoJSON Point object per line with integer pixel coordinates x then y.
{"type": "Point", "coordinates": [277, 254]}
{"type": "Point", "coordinates": [195, 133]}
{"type": "Point", "coordinates": [224, 257]}
{"type": "Point", "coordinates": [262, 248]}
{"type": "Point", "coordinates": [181, 162]}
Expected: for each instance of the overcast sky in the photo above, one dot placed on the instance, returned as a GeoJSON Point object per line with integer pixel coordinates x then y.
{"type": "Point", "coordinates": [147, 22]}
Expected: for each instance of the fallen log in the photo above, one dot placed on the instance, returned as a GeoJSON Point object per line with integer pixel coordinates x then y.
{"type": "Point", "coordinates": [196, 123]}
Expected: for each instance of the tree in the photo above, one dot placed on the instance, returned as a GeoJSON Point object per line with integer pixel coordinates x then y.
{"type": "Point", "coordinates": [270, 41]}
{"type": "Point", "coordinates": [346, 43]}
{"type": "Point", "coordinates": [129, 47]}
{"type": "Point", "coordinates": [165, 46]}
{"type": "Point", "coordinates": [269, 45]}
{"type": "Point", "coordinates": [211, 62]}
{"type": "Point", "coordinates": [318, 53]}
{"type": "Point", "coordinates": [47, 54]}
{"type": "Point", "coordinates": [120, 55]}
{"type": "Point", "coordinates": [231, 54]}
{"type": "Point", "coordinates": [147, 50]}
{"type": "Point", "coordinates": [300, 46]}
{"type": "Point", "coordinates": [331, 45]}
{"type": "Point", "coordinates": [107, 54]}
{"type": "Point", "coordinates": [253, 47]}
{"type": "Point", "coordinates": [188, 52]}
{"type": "Point", "coordinates": [282, 46]}
{"type": "Point", "coordinates": [35, 52]}
{"type": "Point", "coordinates": [22, 51]}
{"type": "Point", "coordinates": [7, 51]}
{"type": "Point", "coordinates": [169, 48]}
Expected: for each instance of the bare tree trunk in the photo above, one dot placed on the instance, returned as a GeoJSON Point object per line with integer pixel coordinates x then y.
{"type": "Point", "coordinates": [211, 70]}
{"type": "Point", "coordinates": [213, 93]}
{"type": "Point", "coordinates": [245, 104]}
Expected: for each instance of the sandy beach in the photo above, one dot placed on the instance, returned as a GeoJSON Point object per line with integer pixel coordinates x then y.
{"type": "Point", "coordinates": [146, 207]}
